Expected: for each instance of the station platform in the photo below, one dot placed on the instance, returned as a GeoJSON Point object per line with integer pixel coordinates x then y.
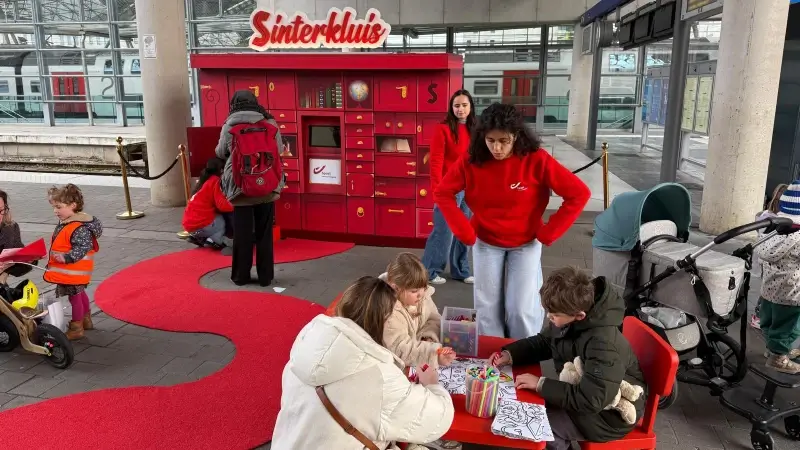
{"type": "Point", "coordinates": [119, 354]}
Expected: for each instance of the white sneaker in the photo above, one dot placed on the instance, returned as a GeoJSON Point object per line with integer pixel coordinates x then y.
{"type": "Point", "coordinates": [469, 280]}
{"type": "Point", "coordinates": [437, 280]}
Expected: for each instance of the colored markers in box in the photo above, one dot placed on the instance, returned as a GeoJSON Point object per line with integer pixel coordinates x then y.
{"type": "Point", "coordinates": [483, 387]}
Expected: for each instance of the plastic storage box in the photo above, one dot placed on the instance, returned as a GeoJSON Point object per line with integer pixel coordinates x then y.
{"type": "Point", "coordinates": [460, 330]}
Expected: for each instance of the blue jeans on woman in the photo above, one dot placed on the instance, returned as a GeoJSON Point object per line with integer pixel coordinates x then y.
{"type": "Point", "coordinates": [213, 232]}
{"type": "Point", "coordinates": [442, 243]}
{"type": "Point", "coordinates": [506, 291]}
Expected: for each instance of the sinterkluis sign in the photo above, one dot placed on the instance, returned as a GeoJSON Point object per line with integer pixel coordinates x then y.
{"type": "Point", "coordinates": [341, 29]}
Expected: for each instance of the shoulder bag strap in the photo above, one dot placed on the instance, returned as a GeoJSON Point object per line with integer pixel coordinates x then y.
{"type": "Point", "coordinates": [344, 423]}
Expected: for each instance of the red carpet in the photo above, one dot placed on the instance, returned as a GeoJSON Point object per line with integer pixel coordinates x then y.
{"type": "Point", "coordinates": [231, 409]}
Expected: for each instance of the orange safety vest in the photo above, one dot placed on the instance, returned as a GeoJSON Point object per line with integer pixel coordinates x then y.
{"type": "Point", "coordinates": [77, 273]}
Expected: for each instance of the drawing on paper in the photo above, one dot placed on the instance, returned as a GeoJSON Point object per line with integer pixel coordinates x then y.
{"type": "Point", "coordinates": [518, 420]}
{"type": "Point", "coordinates": [454, 377]}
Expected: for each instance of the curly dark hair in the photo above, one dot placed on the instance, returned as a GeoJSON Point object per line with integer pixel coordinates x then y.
{"type": "Point", "coordinates": [67, 194]}
{"type": "Point", "coordinates": [452, 121]}
{"type": "Point", "coordinates": [506, 118]}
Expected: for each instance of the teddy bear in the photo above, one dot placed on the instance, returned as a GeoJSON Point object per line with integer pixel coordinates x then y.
{"type": "Point", "coordinates": [623, 401]}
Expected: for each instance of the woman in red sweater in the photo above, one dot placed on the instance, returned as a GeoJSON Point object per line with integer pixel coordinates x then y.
{"type": "Point", "coordinates": [450, 141]}
{"type": "Point", "coordinates": [508, 179]}
{"type": "Point", "coordinates": [203, 217]}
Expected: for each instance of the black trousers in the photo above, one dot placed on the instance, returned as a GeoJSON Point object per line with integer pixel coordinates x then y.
{"type": "Point", "coordinates": [252, 226]}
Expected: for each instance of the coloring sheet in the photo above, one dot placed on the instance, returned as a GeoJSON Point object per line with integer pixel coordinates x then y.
{"type": "Point", "coordinates": [453, 377]}
{"type": "Point", "coordinates": [517, 420]}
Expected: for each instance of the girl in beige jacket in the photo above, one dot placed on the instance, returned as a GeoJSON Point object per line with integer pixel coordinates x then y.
{"type": "Point", "coordinates": [412, 331]}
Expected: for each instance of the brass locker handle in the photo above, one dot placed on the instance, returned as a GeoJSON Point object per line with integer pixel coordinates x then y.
{"type": "Point", "coordinates": [380, 194]}
{"type": "Point", "coordinates": [419, 128]}
{"type": "Point", "coordinates": [256, 90]}
{"type": "Point", "coordinates": [360, 212]}
{"type": "Point", "coordinates": [430, 224]}
{"type": "Point", "coordinates": [399, 124]}
{"type": "Point", "coordinates": [423, 192]}
{"type": "Point", "coordinates": [359, 117]}
{"type": "Point", "coordinates": [403, 91]}
{"type": "Point", "coordinates": [282, 126]}
{"type": "Point", "coordinates": [352, 185]}
{"type": "Point", "coordinates": [396, 211]}
{"type": "Point", "coordinates": [358, 130]}
{"type": "Point", "coordinates": [359, 166]}
{"type": "Point", "coordinates": [205, 86]}
{"type": "Point", "coordinates": [388, 124]}
{"type": "Point", "coordinates": [411, 163]}
{"type": "Point", "coordinates": [283, 115]}
{"type": "Point", "coordinates": [359, 155]}
{"type": "Point", "coordinates": [360, 143]}
{"type": "Point", "coordinates": [271, 86]}
{"type": "Point", "coordinates": [412, 173]}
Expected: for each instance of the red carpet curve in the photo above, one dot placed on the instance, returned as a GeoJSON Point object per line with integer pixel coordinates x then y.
{"type": "Point", "coordinates": [234, 408]}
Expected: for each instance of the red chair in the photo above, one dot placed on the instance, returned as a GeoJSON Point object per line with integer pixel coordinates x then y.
{"type": "Point", "coordinates": [659, 363]}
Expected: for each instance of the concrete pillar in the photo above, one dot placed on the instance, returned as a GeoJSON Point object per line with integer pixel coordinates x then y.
{"type": "Point", "coordinates": [165, 87]}
{"type": "Point", "coordinates": [743, 105]}
{"type": "Point", "coordinates": [580, 87]}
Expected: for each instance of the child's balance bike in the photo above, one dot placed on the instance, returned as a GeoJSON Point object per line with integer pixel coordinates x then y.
{"type": "Point", "coordinates": [21, 324]}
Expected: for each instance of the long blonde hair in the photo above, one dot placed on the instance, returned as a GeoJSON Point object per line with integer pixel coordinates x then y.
{"type": "Point", "coordinates": [774, 205]}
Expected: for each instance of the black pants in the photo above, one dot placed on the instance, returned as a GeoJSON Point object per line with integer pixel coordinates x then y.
{"type": "Point", "coordinates": [252, 226]}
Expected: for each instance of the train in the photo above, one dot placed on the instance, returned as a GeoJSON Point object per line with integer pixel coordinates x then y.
{"type": "Point", "coordinates": [508, 75]}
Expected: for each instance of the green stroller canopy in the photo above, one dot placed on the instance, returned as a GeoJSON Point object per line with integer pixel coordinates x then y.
{"type": "Point", "coordinates": [617, 228]}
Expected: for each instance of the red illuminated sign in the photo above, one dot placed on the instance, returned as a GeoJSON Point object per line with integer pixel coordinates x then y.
{"type": "Point", "coordinates": [341, 29]}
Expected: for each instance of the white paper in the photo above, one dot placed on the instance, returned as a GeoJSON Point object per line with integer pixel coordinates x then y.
{"type": "Point", "coordinates": [149, 50]}
{"type": "Point", "coordinates": [325, 171]}
{"type": "Point", "coordinates": [453, 377]}
{"type": "Point", "coordinates": [518, 420]}
{"type": "Point", "coordinates": [278, 289]}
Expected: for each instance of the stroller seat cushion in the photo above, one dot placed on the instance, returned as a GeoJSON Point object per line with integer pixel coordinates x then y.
{"type": "Point", "coordinates": [722, 274]}
{"type": "Point", "coordinates": [657, 228]}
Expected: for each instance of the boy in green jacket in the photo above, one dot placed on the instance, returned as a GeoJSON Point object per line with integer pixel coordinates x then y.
{"type": "Point", "coordinates": [585, 317]}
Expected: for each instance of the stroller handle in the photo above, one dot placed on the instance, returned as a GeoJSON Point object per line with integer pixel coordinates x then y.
{"type": "Point", "coordinates": [775, 222]}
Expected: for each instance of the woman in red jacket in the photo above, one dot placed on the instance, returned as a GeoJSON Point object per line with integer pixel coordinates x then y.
{"type": "Point", "coordinates": [508, 179]}
{"type": "Point", "coordinates": [450, 141]}
{"type": "Point", "coordinates": [203, 217]}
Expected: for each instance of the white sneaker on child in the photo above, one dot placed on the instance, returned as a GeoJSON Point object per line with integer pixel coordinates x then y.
{"type": "Point", "coordinates": [437, 280]}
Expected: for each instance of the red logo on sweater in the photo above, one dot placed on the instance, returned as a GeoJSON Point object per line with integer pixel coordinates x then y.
{"type": "Point", "coordinates": [518, 186]}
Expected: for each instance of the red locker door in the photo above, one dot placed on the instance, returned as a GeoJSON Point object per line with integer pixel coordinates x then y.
{"type": "Point", "coordinates": [257, 83]}
{"type": "Point", "coordinates": [214, 98]}
{"type": "Point", "coordinates": [433, 92]}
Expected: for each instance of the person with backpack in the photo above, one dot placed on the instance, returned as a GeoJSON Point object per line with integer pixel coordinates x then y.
{"type": "Point", "coordinates": [251, 180]}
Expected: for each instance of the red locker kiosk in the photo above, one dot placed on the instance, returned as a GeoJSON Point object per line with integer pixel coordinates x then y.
{"type": "Point", "coordinates": [356, 129]}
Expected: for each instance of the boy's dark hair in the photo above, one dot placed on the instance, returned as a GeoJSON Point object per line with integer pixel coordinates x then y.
{"type": "Point", "coordinates": [67, 194]}
{"type": "Point", "coordinates": [569, 291]}
{"type": "Point", "coordinates": [368, 302]}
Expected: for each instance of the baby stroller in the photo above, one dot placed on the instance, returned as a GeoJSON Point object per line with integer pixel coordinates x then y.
{"type": "Point", "coordinates": [687, 294]}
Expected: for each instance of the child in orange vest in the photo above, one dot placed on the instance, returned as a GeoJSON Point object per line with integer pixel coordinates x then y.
{"type": "Point", "coordinates": [72, 252]}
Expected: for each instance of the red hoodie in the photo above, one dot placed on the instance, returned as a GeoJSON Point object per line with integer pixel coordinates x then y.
{"type": "Point", "coordinates": [508, 199]}
{"type": "Point", "coordinates": [205, 205]}
{"type": "Point", "coordinates": [445, 151]}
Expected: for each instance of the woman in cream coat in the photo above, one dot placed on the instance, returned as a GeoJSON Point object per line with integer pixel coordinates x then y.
{"type": "Point", "coordinates": [362, 379]}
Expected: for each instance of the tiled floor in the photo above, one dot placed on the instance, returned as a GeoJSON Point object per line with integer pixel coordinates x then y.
{"type": "Point", "coordinates": [119, 354]}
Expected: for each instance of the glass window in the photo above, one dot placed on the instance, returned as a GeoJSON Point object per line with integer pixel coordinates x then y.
{"type": "Point", "coordinates": [36, 87]}
{"type": "Point", "coordinates": [136, 67]}
{"type": "Point", "coordinates": [4, 87]}
{"type": "Point", "coordinates": [108, 67]}
{"type": "Point", "coordinates": [485, 87]}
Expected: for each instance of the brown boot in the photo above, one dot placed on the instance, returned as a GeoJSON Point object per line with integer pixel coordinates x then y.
{"type": "Point", "coordinates": [75, 331]}
{"type": "Point", "coordinates": [87, 322]}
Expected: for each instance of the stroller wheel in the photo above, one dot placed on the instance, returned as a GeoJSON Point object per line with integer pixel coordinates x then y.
{"type": "Point", "coordinates": [792, 425]}
{"type": "Point", "coordinates": [725, 358]}
{"type": "Point", "coordinates": [669, 400]}
{"type": "Point", "coordinates": [9, 337]}
{"type": "Point", "coordinates": [761, 440]}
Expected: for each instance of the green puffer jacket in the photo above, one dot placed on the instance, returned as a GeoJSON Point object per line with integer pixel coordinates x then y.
{"type": "Point", "coordinates": [607, 358]}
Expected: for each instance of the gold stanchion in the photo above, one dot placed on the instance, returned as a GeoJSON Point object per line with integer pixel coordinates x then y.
{"type": "Point", "coordinates": [129, 213]}
{"type": "Point", "coordinates": [606, 196]}
{"type": "Point", "coordinates": [186, 183]}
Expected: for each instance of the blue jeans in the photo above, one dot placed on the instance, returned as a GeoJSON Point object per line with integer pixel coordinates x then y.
{"type": "Point", "coordinates": [506, 291]}
{"type": "Point", "coordinates": [441, 242]}
{"type": "Point", "coordinates": [213, 232]}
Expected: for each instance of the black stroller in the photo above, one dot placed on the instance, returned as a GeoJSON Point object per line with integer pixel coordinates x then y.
{"type": "Point", "coordinates": [640, 246]}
